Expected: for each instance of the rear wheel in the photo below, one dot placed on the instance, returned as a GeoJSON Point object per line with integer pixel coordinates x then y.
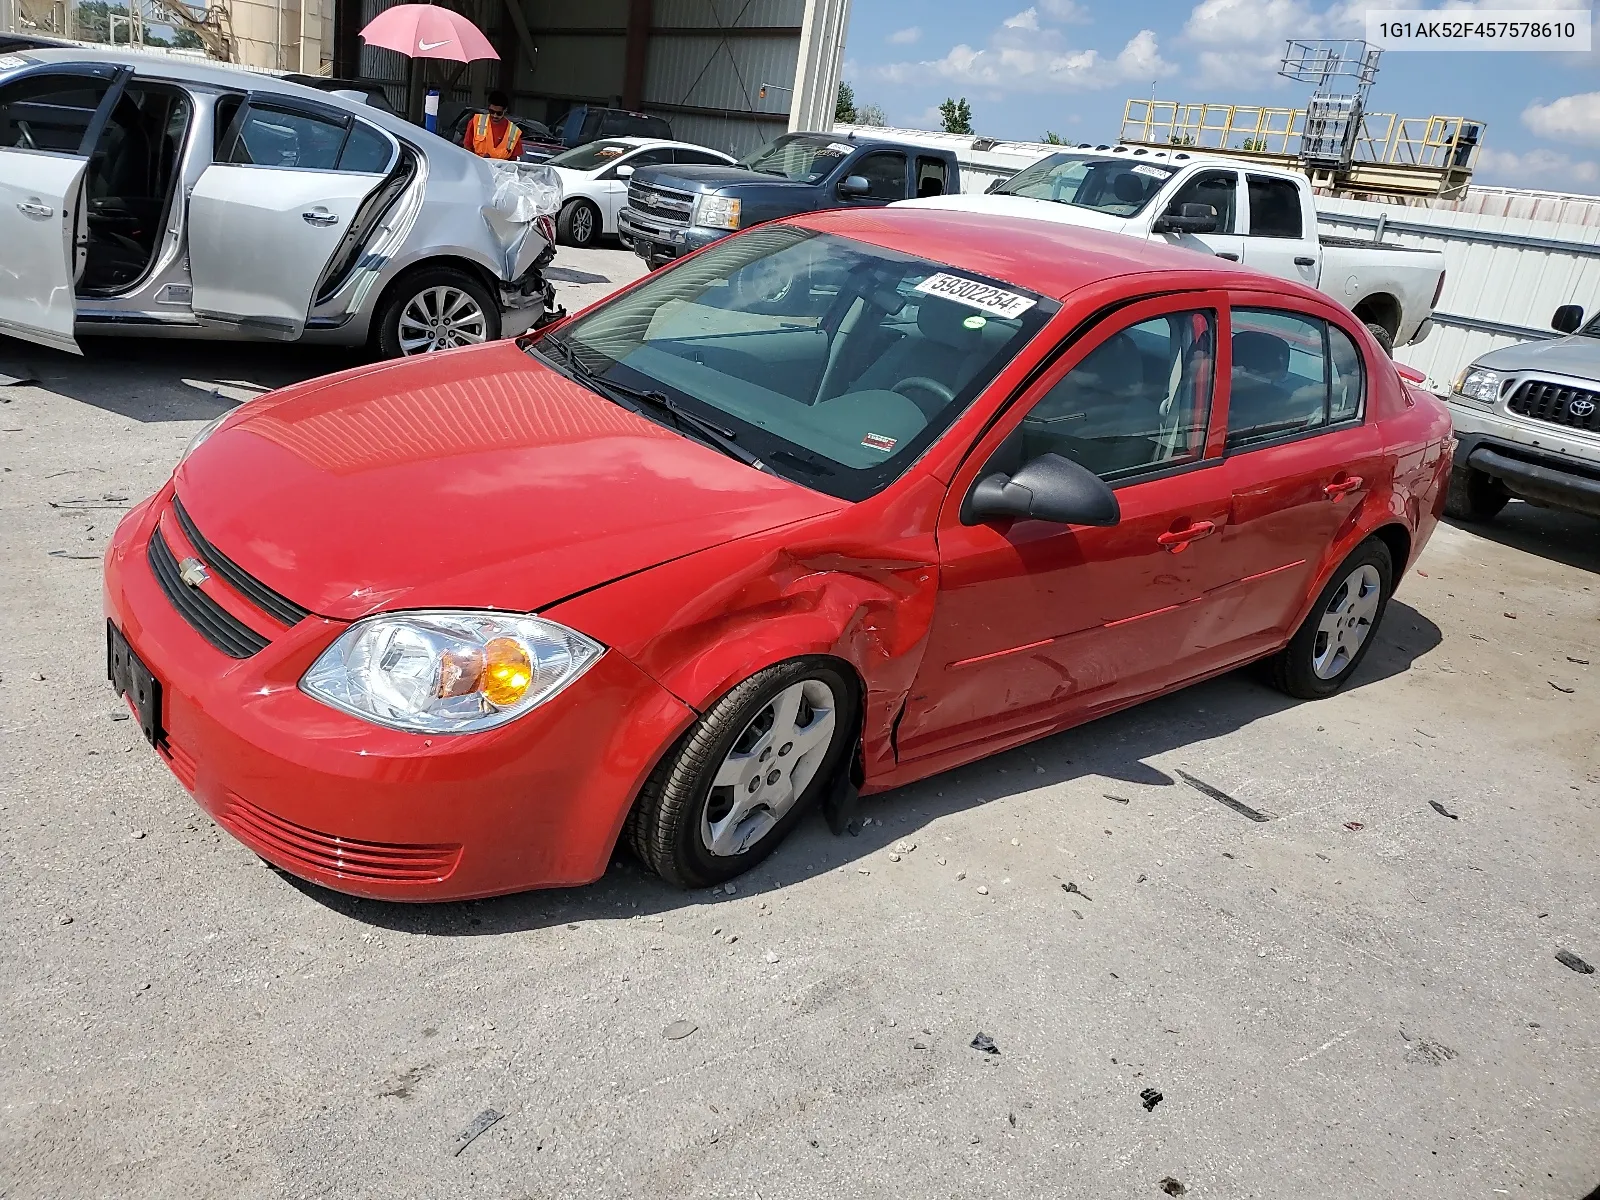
{"type": "Point", "coordinates": [1473, 496]}
{"type": "Point", "coordinates": [1385, 338]}
{"type": "Point", "coordinates": [1331, 642]}
{"type": "Point", "coordinates": [579, 223]}
{"type": "Point", "coordinates": [745, 773]}
{"type": "Point", "coordinates": [436, 308]}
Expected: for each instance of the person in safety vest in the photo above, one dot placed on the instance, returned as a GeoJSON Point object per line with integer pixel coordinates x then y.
{"type": "Point", "coordinates": [494, 134]}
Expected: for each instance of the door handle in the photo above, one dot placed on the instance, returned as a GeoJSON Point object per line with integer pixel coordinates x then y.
{"type": "Point", "coordinates": [320, 216]}
{"type": "Point", "coordinates": [1178, 540]}
{"type": "Point", "coordinates": [33, 208]}
{"type": "Point", "coordinates": [1304, 260]}
{"type": "Point", "coordinates": [1228, 254]}
{"type": "Point", "coordinates": [1340, 488]}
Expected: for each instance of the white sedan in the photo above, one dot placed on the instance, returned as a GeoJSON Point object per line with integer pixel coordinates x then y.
{"type": "Point", "coordinates": [594, 180]}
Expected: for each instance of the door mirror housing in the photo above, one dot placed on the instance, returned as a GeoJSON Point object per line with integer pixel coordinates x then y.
{"type": "Point", "coordinates": [1188, 218]}
{"type": "Point", "coordinates": [1567, 319]}
{"type": "Point", "coordinates": [624, 171]}
{"type": "Point", "coordinates": [854, 185]}
{"type": "Point", "coordinates": [1050, 488]}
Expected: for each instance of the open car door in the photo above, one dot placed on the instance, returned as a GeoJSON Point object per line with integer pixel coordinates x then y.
{"type": "Point", "coordinates": [287, 180]}
{"type": "Point", "coordinates": [50, 120]}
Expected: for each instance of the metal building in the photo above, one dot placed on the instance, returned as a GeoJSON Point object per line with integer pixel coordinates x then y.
{"type": "Point", "coordinates": [731, 74]}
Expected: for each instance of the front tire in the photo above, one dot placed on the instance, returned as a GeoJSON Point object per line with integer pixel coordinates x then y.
{"type": "Point", "coordinates": [1473, 496]}
{"type": "Point", "coordinates": [436, 308]}
{"type": "Point", "coordinates": [745, 773]}
{"type": "Point", "coordinates": [1341, 627]}
{"type": "Point", "coordinates": [579, 224]}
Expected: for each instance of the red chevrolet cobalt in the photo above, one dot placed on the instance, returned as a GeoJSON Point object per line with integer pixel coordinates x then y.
{"type": "Point", "coordinates": [834, 504]}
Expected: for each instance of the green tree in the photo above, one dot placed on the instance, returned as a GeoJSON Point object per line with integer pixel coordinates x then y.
{"type": "Point", "coordinates": [844, 108]}
{"type": "Point", "coordinates": [956, 115]}
{"type": "Point", "coordinates": [871, 114]}
{"type": "Point", "coordinates": [92, 21]}
{"type": "Point", "coordinates": [1052, 138]}
{"type": "Point", "coordinates": [188, 39]}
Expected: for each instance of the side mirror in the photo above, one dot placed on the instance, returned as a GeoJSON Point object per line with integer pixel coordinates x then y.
{"type": "Point", "coordinates": [1188, 218]}
{"type": "Point", "coordinates": [1567, 319]}
{"type": "Point", "coordinates": [1050, 488]}
{"type": "Point", "coordinates": [624, 171]}
{"type": "Point", "coordinates": [854, 185]}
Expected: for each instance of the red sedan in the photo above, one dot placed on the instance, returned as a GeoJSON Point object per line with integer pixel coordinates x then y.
{"type": "Point", "coordinates": [836, 503]}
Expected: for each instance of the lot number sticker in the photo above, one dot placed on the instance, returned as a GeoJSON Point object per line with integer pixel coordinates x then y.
{"type": "Point", "coordinates": [1152, 172]}
{"type": "Point", "coordinates": [975, 295]}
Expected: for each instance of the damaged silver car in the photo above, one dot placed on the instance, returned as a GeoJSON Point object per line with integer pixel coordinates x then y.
{"type": "Point", "coordinates": [163, 197]}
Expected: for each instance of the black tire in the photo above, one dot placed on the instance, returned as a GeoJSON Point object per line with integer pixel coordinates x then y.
{"type": "Point", "coordinates": [1473, 496]}
{"type": "Point", "coordinates": [1385, 338]}
{"type": "Point", "coordinates": [1293, 669]}
{"type": "Point", "coordinates": [664, 830]}
{"type": "Point", "coordinates": [579, 224]}
{"type": "Point", "coordinates": [409, 287]}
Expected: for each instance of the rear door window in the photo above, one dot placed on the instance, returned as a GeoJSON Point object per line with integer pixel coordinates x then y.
{"type": "Point", "coordinates": [1292, 375]}
{"type": "Point", "coordinates": [931, 176]}
{"type": "Point", "coordinates": [285, 137]}
{"type": "Point", "coordinates": [367, 151]}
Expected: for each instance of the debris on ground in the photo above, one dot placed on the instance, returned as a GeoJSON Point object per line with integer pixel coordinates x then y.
{"type": "Point", "coordinates": [1582, 662]}
{"type": "Point", "coordinates": [1172, 1187]}
{"type": "Point", "coordinates": [1442, 810]}
{"type": "Point", "coordinates": [480, 1124]}
{"type": "Point", "coordinates": [138, 834]}
{"type": "Point", "coordinates": [679, 1030]}
{"type": "Point", "coordinates": [1150, 1098]}
{"type": "Point", "coordinates": [985, 1044]}
{"type": "Point", "coordinates": [894, 857]}
{"type": "Point", "coordinates": [1075, 890]}
{"type": "Point", "coordinates": [1118, 799]}
{"type": "Point", "coordinates": [771, 958]}
{"type": "Point", "coordinates": [121, 716]}
{"type": "Point", "coordinates": [1425, 1050]}
{"type": "Point", "coordinates": [982, 890]}
{"type": "Point", "coordinates": [1511, 615]}
{"type": "Point", "coordinates": [1221, 797]}
{"type": "Point", "coordinates": [1562, 688]}
{"type": "Point", "coordinates": [1354, 826]}
{"type": "Point", "coordinates": [1568, 959]}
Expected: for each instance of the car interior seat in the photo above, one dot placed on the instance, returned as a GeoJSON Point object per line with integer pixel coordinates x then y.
{"type": "Point", "coordinates": [943, 348]}
{"type": "Point", "coordinates": [1260, 399]}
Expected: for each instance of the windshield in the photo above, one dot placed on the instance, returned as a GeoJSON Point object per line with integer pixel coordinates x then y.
{"type": "Point", "coordinates": [1592, 329]}
{"type": "Point", "coordinates": [1115, 186]}
{"type": "Point", "coordinates": [591, 157]}
{"type": "Point", "coordinates": [799, 156]}
{"type": "Point", "coordinates": [835, 362]}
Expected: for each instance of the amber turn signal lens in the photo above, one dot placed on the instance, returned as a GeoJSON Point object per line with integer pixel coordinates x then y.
{"type": "Point", "coordinates": [507, 671]}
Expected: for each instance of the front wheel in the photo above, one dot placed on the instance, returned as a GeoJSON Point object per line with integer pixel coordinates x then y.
{"type": "Point", "coordinates": [436, 308]}
{"type": "Point", "coordinates": [1474, 496]}
{"type": "Point", "coordinates": [744, 774]}
{"type": "Point", "coordinates": [1331, 642]}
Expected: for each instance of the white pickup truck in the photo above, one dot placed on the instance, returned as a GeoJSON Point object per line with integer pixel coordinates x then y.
{"type": "Point", "coordinates": [1254, 214]}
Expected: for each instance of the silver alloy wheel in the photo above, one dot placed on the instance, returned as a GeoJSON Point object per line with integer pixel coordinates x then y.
{"type": "Point", "coordinates": [769, 767]}
{"type": "Point", "coordinates": [582, 224]}
{"type": "Point", "coordinates": [1346, 622]}
{"type": "Point", "coordinates": [438, 318]}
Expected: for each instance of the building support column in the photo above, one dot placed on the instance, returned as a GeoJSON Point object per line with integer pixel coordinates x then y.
{"type": "Point", "coordinates": [816, 76]}
{"type": "Point", "coordinates": [636, 52]}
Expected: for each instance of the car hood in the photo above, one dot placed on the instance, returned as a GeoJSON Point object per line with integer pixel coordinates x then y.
{"type": "Point", "coordinates": [1578, 356]}
{"type": "Point", "coordinates": [709, 177]}
{"type": "Point", "coordinates": [1021, 206]}
{"type": "Point", "coordinates": [475, 478]}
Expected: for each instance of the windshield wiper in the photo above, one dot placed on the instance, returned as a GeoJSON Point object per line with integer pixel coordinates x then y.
{"type": "Point", "coordinates": [710, 433]}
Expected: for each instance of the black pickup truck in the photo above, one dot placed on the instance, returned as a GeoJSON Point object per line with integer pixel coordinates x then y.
{"type": "Point", "coordinates": [673, 210]}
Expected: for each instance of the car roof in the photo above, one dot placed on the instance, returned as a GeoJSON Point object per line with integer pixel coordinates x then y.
{"type": "Point", "coordinates": [1046, 257]}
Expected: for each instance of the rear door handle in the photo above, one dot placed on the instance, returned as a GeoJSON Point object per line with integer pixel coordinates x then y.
{"type": "Point", "coordinates": [1340, 488]}
{"type": "Point", "coordinates": [320, 216]}
{"type": "Point", "coordinates": [1305, 260]}
{"type": "Point", "coordinates": [33, 208]}
{"type": "Point", "coordinates": [1178, 540]}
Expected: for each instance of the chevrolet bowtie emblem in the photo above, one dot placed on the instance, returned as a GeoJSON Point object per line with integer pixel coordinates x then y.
{"type": "Point", "coordinates": [193, 572]}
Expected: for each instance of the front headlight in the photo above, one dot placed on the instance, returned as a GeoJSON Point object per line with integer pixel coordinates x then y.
{"type": "Point", "coordinates": [716, 212]}
{"type": "Point", "coordinates": [1479, 385]}
{"type": "Point", "coordinates": [210, 427]}
{"type": "Point", "coordinates": [448, 671]}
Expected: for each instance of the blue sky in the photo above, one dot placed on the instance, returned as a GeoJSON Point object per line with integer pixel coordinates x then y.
{"type": "Point", "coordinates": [1068, 65]}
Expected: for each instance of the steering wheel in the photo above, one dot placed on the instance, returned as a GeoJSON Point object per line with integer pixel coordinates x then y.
{"type": "Point", "coordinates": [943, 394]}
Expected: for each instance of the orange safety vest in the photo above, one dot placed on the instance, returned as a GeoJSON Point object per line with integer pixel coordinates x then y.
{"type": "Point", "coordinates": [484, 145]}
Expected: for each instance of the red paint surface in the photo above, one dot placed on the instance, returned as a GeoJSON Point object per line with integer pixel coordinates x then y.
{"type": "Point", "coordinates": [483, 479]}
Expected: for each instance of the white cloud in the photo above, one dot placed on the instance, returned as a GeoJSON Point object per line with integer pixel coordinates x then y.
{"type": "Point", "coordinates": [906, 37]}
{"type": "Point", "coordinates": [1572, 117]}
{"type": "Point", "coordinates": [1028, 18]}
{"type": "Point", "coordinates": [1021, 56]}
{"type": "Point", "coordinates": [1547, 168]}
{"type": "Point", "coordinates": [1067, 12]}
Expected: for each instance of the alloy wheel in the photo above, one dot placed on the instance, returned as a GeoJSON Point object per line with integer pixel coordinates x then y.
{"type": "Point", "coordinates": [1347, 622]}
{"type": "Point", "coordinates": [438, 318]}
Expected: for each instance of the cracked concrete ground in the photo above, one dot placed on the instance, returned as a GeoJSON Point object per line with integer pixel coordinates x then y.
{"type": "Point", "coordinates": [1356, 997]}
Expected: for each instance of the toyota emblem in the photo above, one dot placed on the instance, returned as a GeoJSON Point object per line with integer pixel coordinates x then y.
{"type": "Point", "coordinates": [1581, 407]}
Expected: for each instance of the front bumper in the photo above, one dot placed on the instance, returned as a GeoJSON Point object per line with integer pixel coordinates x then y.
{"type": "Point", "coordinates": [372, 811]}
{"type": "Point", "coordinates": [1544, 464]}
{"type": "Point", "coordinates": [656, 241]}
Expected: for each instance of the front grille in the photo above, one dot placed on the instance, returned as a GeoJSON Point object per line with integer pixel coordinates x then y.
{"type": "Point", "coordinates": [1575, 408]}
{"type": "Point", "coordinates": [279, 608]}
{"type": "Point", "coordinates": [209, 619]}
{"type": "Point", "coordinates": [271, 835]}
{"type": "Point", "coordinates": [667, 205]}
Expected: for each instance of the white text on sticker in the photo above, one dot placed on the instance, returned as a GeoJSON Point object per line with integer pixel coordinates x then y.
{"type": "Point", "coordinates": [976, 295]}
{"type": "Point", "coordinates": [876, 441]}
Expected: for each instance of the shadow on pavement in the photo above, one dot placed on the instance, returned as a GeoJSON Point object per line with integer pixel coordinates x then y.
{"type": "Point", "coordinates": [1115, 748]}
{"type": "Point", "coordinates": [1564, 537]}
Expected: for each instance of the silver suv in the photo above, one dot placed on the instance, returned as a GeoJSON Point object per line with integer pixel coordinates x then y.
{"type": "Point", "coordinates": [1527, 420]}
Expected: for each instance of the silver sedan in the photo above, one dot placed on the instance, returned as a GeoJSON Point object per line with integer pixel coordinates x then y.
{"type": "Point", "coordinates": [158, 196]}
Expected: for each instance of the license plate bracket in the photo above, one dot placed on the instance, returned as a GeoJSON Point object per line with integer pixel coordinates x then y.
{"type": "Point", "coordinates": [131, 678]}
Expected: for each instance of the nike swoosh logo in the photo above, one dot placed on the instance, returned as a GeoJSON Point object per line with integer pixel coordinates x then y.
{"type": "Point", "coordinates": [432, 45]}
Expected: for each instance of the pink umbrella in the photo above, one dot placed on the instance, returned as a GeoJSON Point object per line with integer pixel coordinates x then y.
{"type": "Point", "coordinates": [427, 31]}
